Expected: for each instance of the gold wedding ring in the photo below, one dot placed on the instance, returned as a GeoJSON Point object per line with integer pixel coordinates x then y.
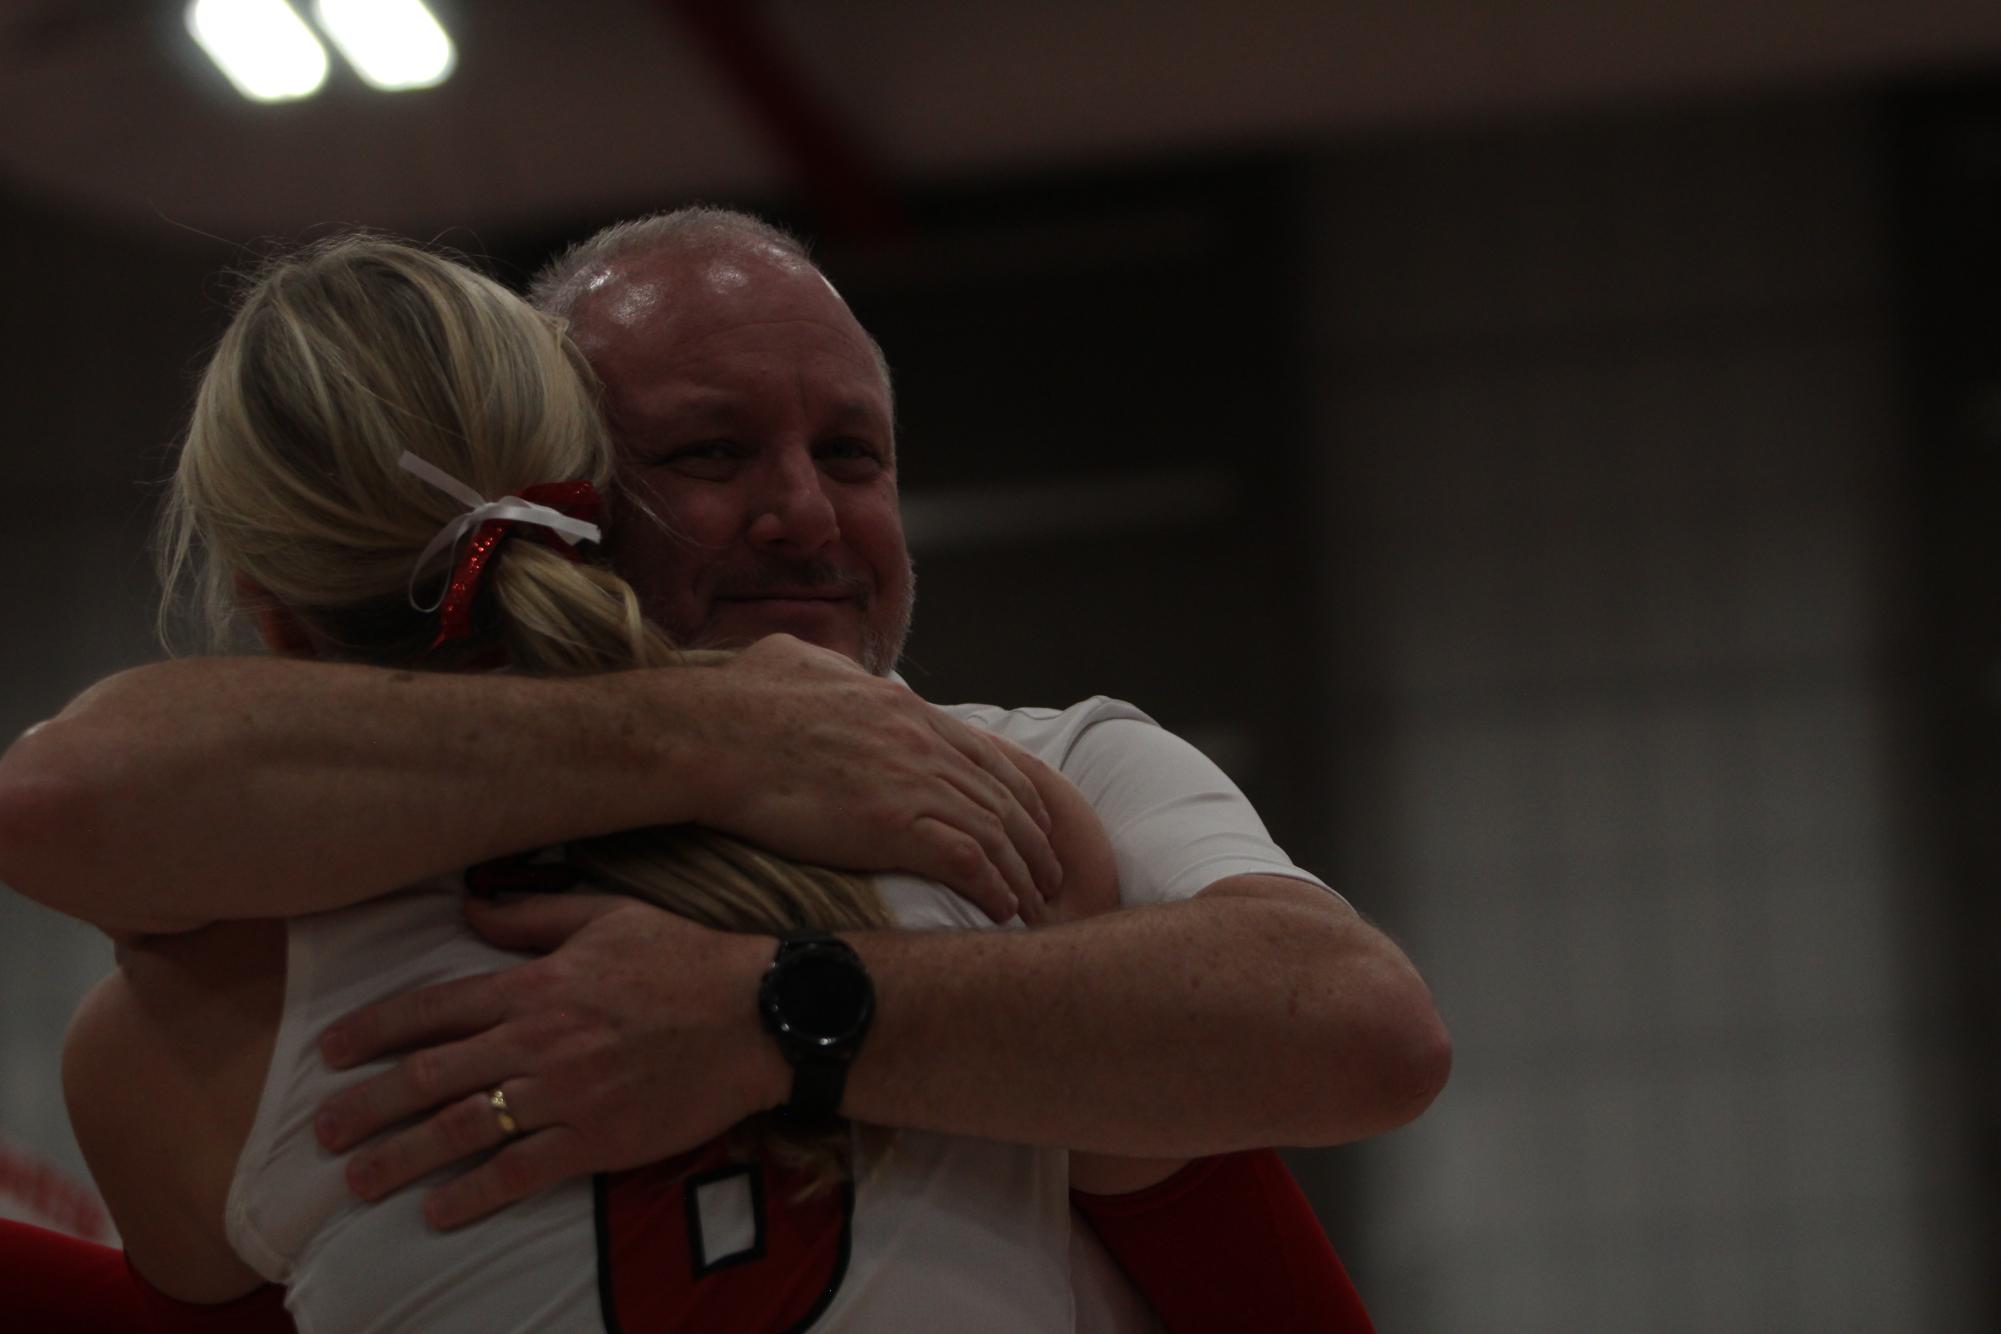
{"type": "Point", "coordinates": [508, 1125]}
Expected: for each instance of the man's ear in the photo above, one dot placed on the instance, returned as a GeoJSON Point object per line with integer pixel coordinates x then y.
{"type": "Point", "coordinates": [280, 629]}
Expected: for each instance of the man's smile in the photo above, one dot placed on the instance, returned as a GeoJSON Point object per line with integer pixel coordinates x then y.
{"type": "Point", "coordinates": [840, 596]}
{"type": "Point", "coordinates": [828, 617]}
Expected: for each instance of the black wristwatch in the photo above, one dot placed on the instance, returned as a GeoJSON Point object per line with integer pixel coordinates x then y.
{"type": "Point", "coordinates": [817, 1000]}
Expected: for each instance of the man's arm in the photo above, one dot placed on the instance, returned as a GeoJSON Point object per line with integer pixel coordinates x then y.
{"type": "Point", "coordinates": [188, 792]}
{"type": "Point", "coordinates": [1264, 1011]}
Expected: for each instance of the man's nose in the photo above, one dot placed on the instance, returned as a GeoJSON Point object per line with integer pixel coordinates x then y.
{"type": "Point", "coordinates": [793, 510]}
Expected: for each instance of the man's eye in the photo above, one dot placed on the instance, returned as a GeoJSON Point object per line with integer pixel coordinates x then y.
{"type": "Point", "coordinates": [849, 450]}
{"type": "Point", "coordinates": [705, 451]}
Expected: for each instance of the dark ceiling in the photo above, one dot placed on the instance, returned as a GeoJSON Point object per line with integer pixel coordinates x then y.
{"type": "Point", "coordinates": [565, 110]}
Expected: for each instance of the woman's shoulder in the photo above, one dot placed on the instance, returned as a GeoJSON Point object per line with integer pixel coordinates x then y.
{"type": "Point", "coordinates": [170, 1009]}
{"type": "Point", "coordinates": [163, 1065]}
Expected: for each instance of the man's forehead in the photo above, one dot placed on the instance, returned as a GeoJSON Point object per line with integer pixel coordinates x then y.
{"type": "Point", "coordinates": [649, 320]}
{"type": "Point", "coordinates": [627, 288]}
{"type": "Point", "coordinates": [613, 297]}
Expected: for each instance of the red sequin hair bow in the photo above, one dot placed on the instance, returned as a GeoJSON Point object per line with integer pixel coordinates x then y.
{"type": "Point", "coordinates": [557, 514]}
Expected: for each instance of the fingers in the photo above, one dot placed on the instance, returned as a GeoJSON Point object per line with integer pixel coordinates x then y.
{"type": "Point", "coordinates": [958, 859]}
{"type": "Point", "coordinates": [1019, 843]}
{"type": "Point", "coordinates": [996, 849]}
{"type": "Point", "coordinates": [415, 1084]}
{"type": "Point", "coordinates": [463, 1127]}
{"type": "Point", "coordinates": [990, 840]}
{"type": "Point", "coordinates": [538, 922]}
{"type": "Point", "coordinates": [417, 1018]}
{"type": "Point", "coordinates": [1005, 835]}
{"type": "Point", "coordinates": [532, 1163]}
{"type": "Point", "coordinates": [997, 756]}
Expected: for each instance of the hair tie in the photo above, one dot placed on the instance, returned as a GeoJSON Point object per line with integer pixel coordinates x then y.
{"type": "Point", "coordinates": [557, 514]}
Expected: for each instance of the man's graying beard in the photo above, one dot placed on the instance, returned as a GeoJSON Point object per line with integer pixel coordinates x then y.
{"type": "Point", "coordinates": [880, 651]}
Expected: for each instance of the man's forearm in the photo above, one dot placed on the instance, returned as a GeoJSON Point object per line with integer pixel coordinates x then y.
{"type": "Point", "coordinates": [1260, 1013]}
{"type": "Point", "coordinates": [208, 789]}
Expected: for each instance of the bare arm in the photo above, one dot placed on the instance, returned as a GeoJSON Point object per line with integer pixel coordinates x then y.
{"type": "Point", "coordinates": [163, 1066]}
{"type": "Point", "coordinates": [1262, 1012]}
{"type": "Point", "coordinates": [189, 792]}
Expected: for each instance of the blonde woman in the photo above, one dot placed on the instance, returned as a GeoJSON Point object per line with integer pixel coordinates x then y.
{"type": "Point", "coordinates": [394, 461]}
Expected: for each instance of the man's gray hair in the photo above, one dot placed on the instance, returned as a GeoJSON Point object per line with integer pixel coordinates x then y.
{"type": "Point", "coordinates": [691, 230]}
{"type": "Point", "coordinates": [695, 229]}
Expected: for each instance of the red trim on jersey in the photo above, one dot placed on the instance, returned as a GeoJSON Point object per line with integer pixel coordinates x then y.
{"type": "Point", "coordinates": [1229, 1243]}
{"type": "Point", "coordinates": [656, 1270]}
{"type": "Point", "coordinates": [1225, 1243]}
{"type": "Point", "coordinates": [62, 1284]}
{"type": "Point", "coordinates": [54, 1284]}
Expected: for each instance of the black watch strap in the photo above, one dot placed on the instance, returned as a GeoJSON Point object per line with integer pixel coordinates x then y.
{"type": "Point", "coordinates": [818, 1042]}
{"type": "Point", "coordinates": [817, 1086]}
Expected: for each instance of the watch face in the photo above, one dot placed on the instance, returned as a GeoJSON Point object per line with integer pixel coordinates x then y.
{"type": "Point", "coordinates": [822, 998]}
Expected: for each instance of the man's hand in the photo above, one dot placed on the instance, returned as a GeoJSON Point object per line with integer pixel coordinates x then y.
{"type": "Point", "coordinates": [636, 1039]}
{"type": "Point", "coordinates": [821, 761]}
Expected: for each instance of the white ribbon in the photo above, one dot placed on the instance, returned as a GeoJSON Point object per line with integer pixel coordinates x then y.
{"type": "Point", "coordinates": [479, 510]}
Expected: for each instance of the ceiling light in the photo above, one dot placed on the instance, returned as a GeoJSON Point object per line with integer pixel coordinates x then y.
{"type": "Point", "coordinates": [263, 47]}
{"type": "Point", "coordinates": [393, 44]}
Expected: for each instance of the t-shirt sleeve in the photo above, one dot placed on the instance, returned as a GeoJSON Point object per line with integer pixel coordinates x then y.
{"type": "Point", "coordinates": [1176, 821]}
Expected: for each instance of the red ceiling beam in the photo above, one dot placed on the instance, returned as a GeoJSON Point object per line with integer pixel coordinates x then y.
{"type": "Point", "coordinates": [840, 176]}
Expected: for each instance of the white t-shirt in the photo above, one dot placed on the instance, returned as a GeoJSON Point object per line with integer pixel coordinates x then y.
{"type": "Point", "coordinates": [1176, 821]}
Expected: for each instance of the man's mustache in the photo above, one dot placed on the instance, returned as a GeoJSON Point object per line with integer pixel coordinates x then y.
{"type": "Point", "coordinates": [810, 579]}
